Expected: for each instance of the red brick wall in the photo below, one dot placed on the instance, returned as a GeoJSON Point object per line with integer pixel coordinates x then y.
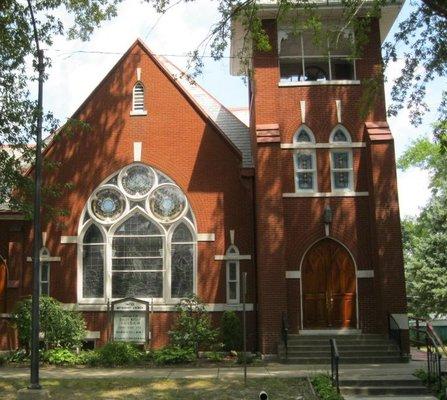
{"type": "Point", "coordinates": [296, 223]}
{"type": "Point", "coordinates": [176, 139]}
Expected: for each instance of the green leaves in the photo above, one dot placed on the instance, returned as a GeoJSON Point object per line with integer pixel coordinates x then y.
{"type": "Point", "coordinates": [59, 327]}
{"type": "Point", "coordinates": [192, 329]}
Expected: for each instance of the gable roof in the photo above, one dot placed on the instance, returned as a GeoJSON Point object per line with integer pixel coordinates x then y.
{"type": "Point", "coordinates": [235, 132]}
{"type": "Point", "coordinates": [229, 124]}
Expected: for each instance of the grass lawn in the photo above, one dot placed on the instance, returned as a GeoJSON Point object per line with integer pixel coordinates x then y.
{"type": "Point", "coordinates": [161, 389]}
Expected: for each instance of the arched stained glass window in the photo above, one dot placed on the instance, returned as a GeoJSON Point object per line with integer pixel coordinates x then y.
{"type": "Point", "coordinates": [339, 136]}
{"type": "Point", "coordinates": [93, 263]}
{"type": "Point", "coordinates": [341, 160]}
{"type": "Point", "coordinates": [182, 262]}
{"type": "Point", "coordinates": [303, 136]}
{"type": "Point", "coordinates": [146, 246]}
{"type": "Point", "coordinates": [305, 161]}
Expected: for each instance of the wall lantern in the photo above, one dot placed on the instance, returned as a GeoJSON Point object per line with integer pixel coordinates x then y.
{"type": "Point", "coordinates": [327, 219]}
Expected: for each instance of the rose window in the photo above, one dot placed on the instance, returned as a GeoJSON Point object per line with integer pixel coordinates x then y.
{"type": "Point", "coordinates": [108, 204]}
{"type": "Point", "coordinates": [167, 202]}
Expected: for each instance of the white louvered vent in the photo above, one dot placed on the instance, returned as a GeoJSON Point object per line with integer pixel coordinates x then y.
{"type": "Point", "coordinates": [138, 97]}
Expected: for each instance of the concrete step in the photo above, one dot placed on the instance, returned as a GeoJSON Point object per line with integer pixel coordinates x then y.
{"type": "Point", "coordinates": [340, 337]}
{"type": "Point", "coordinates": [384, 390]}
{"type": "Point", "coordinates": [394, 397]}
{"type": "Point", "coordinates": [342, 347]}
{"type": "Point", "coordinates": [343, 354]}
{"type": "Point", "coordinates": [379, 382]}
{"type": "Point", "coordinates": [344, 360]}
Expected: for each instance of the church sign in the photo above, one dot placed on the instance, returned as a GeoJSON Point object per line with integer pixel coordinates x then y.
{"type": "Point", "coordinates": [129, 318]}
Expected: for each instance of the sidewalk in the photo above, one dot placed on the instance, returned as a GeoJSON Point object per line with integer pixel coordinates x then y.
{"type": "Point", "coordinates": [355, 371]}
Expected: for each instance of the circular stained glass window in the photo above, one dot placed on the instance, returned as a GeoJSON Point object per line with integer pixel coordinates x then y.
{"type": "Point", "coordinates": [167, 202]}
{"type": "Point", "coordinates": [137, 180]}
{"type": "Point", "coordinates": [108, 204]}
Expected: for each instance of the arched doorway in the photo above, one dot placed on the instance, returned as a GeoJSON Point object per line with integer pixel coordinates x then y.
{"type": "Point", "coordinates": [328, 287]}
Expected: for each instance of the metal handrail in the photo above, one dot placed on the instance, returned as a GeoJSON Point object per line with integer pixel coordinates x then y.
{"type": "Point", "coordinates": [394, 332]}
{"type": "Point", "coordinates": [335, 359]}
{"type": "Point", "coordinates": [285, 333]}
{"type": "Point", "coordinates": [433, 358]}
{"type": "Point", "coordinates": [435, 348]}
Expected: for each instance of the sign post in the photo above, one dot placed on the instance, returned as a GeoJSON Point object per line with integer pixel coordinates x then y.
{"type": "Point", "coordinates": [244, 325]}
{"type": "Point", "coordinates": [130, 320]}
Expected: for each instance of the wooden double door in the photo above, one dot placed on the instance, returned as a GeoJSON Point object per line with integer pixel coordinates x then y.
{"type": "Point", "coordinates": [328, 287]}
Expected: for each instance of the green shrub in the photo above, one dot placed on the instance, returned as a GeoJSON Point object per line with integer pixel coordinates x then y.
{"type": "Point", "coordinates": [60, 328]}
{"type": "Point", "coordinates": [60, 357]}
{"type": "Point", "coordinates": [214, 356]}
{"type": "Point", "coordinates": [323, 386]}
{"type": "Point", "coordinates": [18, 356]}
{"type": "Point", "coordinates": [230, 331]}
{"type": "Point", "coordinates": [3, 359]}
{"type": "Point", "coordinates": [119, 353]}
{"type": "Point", "coordinates": [192, 329]}
{"type": "Point", "coordinates": [240, 357]}
{"type": "Point", "coordinates": [173, 355]}
{"type": "Point", "coordinates": [91, 358]}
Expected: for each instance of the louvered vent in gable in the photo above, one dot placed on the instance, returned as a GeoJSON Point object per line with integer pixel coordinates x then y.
{"type": "Point", "coordinates": [138, 100]}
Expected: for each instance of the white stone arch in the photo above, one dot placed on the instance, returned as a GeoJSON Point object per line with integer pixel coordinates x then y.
{"type": "Point", "coordinates": [305, 128]}
{"type": "Point", "coordinates": [340, 127]}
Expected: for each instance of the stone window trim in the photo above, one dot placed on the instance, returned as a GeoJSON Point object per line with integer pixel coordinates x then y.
{"type": "Point", "coordinates": [342, 139]}
{"type": "Point", "coordinates": [108, 230]}
{"type": "Point", "coordinates": [304, 136]}
{"type": "Point", "coordinates": [233, 262]}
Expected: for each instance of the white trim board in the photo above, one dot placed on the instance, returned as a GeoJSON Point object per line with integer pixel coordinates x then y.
{"type": "Point", "coordinates": [206, 237]}
{"type": "Point", "coordinates": [91, 335]}
{"type": "Point", "coordinates": [44, 259]}
{"type": "Point", "coordinates": [235, 257]}
{"type": "Point", "coordinates": [12, 217]}
{"type": "Point", "coordinates": [320, 83]}
{"type": "Point", "coordinates": [293, 146]}
{"type": "Point", "coordinates": [211, 307]}
{"type": "Point", "coordinates": [365, 273]}
{"type": "Point", "coordinates": [323, 332]}
{"type": "Point", "coordinates": [293, 274]}
{"type": "Point", "coordinates": [326, 194]}
{"type": "Point", "coordinates": [69, 239]}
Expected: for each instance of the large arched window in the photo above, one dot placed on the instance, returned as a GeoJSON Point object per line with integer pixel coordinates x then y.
{"type": "Point", "coordinates": [138, 239]}
{"type": "Point", "coordinates": [305, 160]}
{"type": "Point", "coordinates": [342, 176]}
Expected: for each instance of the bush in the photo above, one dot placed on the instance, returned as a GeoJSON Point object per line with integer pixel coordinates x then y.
{"type": "Point", "coordinates": [214, 356]}
{"type": "Point", "coordinates": [173, 355]}
{"type": "Point", "coordinates": [18, 356]}
{"type": "Point", "coordinates": [60, 328]}
{"type": "Point", "coordinates": [240, 357]}
{"type": "Point", "coordinates": [118, 353]}
{"type": "Point", "coordinates": [91, 358]}
{"type": "Point", "coordinates": [323, 387]}
{"type": "Point", "coordinates": [192, 329]}
{"type": "Point", "coordinates": [230, 330]}
{"type": "Point", "coordinates": [3, 359]}
{"type": "Point", "coordinates": [60, 357]}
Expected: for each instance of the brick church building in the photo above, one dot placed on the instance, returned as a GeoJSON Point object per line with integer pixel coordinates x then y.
{"type": "Point", "coordinates": [172, 193]}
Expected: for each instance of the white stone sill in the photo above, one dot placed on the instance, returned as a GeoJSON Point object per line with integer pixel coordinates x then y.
{"type": "Point", "coordinates": [319, 83]}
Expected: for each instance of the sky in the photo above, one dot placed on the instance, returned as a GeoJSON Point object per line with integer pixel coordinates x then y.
{"type": "Point", "coordinates": [78, 67]}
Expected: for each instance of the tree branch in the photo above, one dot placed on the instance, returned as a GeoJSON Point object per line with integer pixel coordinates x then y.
{"type": "Point", "coordinates": [437, 7]}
